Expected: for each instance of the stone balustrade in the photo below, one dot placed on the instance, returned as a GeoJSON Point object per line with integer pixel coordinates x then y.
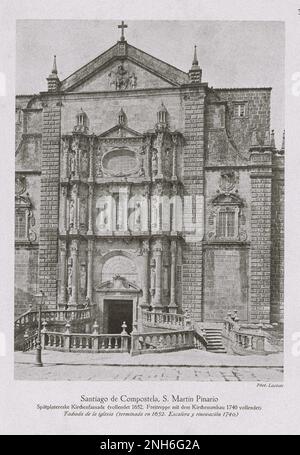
{"type": "Point", "coordinates": [241, 337]}
{"type": "Point", "coordinates": [31, 316]}
{"type": "Point", "coordinates": [164, 320]}
{"type": "Point", "coordinates": [152, 342]}
{"type": "Point", "coordinates": [85, 342]}
{"type": "Point", "coordinates": [30, 342]}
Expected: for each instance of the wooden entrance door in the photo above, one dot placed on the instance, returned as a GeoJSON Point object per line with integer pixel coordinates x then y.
{"type": "Point", "coordinates": [119, 311]}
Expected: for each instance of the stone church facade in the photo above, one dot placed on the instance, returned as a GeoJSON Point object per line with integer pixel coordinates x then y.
{"type": "Point", "coordinates": [138, 186]}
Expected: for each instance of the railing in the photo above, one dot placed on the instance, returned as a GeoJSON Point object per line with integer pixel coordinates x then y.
{"type": "Point", "coordinates": [30, 342]}
{"type": "Point", "coordinates": [199, 339]}
{"type": "Point", "coordinates": [82, 342]}
{"type": "Point", "coordinates": [152, 342]}
{"type": "Point", "coordinates": [136, 343]}
{"type": "Point", "coordinates": [243, 338]}
{"type": "Point", "coordinates": [85, 342]}
{"type": "Point", "coordinates": [164, 320]}
{"type": "Point", "coordinates": [31, 316]}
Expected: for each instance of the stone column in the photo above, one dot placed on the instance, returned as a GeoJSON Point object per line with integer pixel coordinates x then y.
{"type": "Point", "coordinates": [63, 252]}
{"type": "Point", "coordinates": [75, 209]}
{"type": "Point", "coordinates": [123, 208]}
{"type": "Point", "coordinates": [145, 283]}
{"type": "Point", "coordinates": [160, 139]}
{"type": "Point", "coordinates": [90, 210]}
{"type": "Point", "coordinates": [66, 145]}
{"type": "Point", "coordinates": [63, 210]}
{"type": "Point", "coordinates": [147, 156]}
{"type": "Point", "coordinates": [174, 161]}
{"type": "Point", "coordinates": [158, 259]}
{"type": "Point", "coordinates": [74, 256]}
{"type": "Point", "coordinates": [90, 270]}
{"type": "Point", "coordinates": [91, 163]}
{"type": "Point", "coordinates": [172, 305]}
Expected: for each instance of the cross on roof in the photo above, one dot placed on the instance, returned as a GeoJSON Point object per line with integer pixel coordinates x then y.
{"type": "Point", "coordinates": [122, 26]}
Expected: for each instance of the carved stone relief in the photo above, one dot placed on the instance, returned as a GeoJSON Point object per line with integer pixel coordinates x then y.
{"type": "Point", "coordinates": [122, 79]}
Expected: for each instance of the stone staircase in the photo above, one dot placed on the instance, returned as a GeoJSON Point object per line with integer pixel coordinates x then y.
{"type": "Point", "coordinates": [213, 336]}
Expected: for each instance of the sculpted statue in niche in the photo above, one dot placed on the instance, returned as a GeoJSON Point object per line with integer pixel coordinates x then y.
{"type": "Point", "coordinates": [72, 163]}
{"type": "Point", "coordinates": [99, 172]}
{"type": "Point", "coordinates": [154, 162]}
{"type": "Point", "coordinates": [74, 156]}
{"type": "Point", "coordinates": [69, 285]}
{"type": "Point", "coordinates": [83, 211]}
{"type": "Point", "coordinates": [153, 277]}
{"type": "Point", "coordinates": [84, 164]}
{"type": "Point", "coordinates": [166, 280]}
{"type": "Point", "coordinates": [168, 162]}
{"type": "Point", "coordinates": [102, 219]}
{"type": "Point", "coordinates": [83, 279]}
{"type": "Point", "coordinates": [65, 153]}
{"type": "Point", "coordinates": [72, 213]}
{"type": "Point", "coordinates": [137, 216]}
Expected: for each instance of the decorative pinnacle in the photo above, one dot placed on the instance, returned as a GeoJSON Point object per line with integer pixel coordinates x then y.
{"type": "Point", "coordinates": [162, 107]}
{"type": "Point", "coordinates": [272, 139]}
{"type": "Point", "coordinates": [283, 142]}
{"type": "Point", "coordinates": [267, 139]}
{"type": "Point", "coordinates": [54, 68]}
{"type": "Point", "coordinates": [254, 141]}
{"type": "Point", "coordinates": [195, 60]}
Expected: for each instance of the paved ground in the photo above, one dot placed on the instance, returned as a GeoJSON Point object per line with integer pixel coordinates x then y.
{"type": "Point", "coordinates": [192, 365]}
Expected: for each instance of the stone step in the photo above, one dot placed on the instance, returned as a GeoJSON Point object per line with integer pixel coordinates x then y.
{"type": "Point", "coordinates": [214, 340]}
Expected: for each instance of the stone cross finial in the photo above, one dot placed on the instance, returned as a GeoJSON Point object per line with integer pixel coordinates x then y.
{"type": "Point", "coordinates": [122, 26]}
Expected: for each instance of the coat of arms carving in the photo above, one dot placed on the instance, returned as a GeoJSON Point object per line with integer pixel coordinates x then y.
{"type": "Point", "coordinates": [122, 79]}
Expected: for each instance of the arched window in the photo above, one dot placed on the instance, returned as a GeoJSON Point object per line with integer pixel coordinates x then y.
{"type": "Point", "coordinates": [225, 218]}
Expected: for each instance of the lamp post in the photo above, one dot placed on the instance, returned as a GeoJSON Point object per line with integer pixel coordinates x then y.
{"type": "Point", "coordinates": [38, 357]}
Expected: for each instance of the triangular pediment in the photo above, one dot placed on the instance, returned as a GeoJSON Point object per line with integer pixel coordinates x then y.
{"type": "Point", "coordinates": [227, 199]}
{"type": "Point", "coordinates": [124, 67]}
{"type": "Point", "coordinates": [117, 284]}
{"type": "Point", "coordinates": [120, 131]}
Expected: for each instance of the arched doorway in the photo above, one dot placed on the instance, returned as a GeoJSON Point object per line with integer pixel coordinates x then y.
{"type": "Point", "coordinates": [118, 293]}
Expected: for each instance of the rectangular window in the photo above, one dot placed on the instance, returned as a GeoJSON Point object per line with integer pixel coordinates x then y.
{"type": "Point", "coordinates": [20, 226]}
{"type": "Point", "coordinates": [225, 227]}
{"type": "Point", "coordinates": [240, 110]}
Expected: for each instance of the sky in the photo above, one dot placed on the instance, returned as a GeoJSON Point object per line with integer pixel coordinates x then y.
{"type": "Point", "coordinates": [230, 53]}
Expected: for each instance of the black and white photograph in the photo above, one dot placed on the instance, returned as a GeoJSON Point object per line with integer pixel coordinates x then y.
{"type": "Point", "coordinates": [149, 205]}
{"type": "Point", "coordinates": [150, 219]}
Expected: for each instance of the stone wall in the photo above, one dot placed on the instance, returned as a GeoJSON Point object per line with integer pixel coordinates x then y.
{"type": "Point", "coordinates": [140, 109]}
{"type": "Point", "coordinates": [193, 181]}
{"type": "Point", "coordinates": [26, 271]}
{"type": "Point", "coordinates": [260, 266]}
{"type": "Point", "coordinates": [48, 251]}
{"type": "Point", "coordinates": [225, 281]}
{"type": "Point", "coordinates": [277, 249]}
{"type": "Point", "coordinates": [258, 108]}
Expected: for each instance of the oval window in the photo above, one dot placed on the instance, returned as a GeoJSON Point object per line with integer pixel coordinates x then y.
{"type": "Point", "coordinates": [120, 162]}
